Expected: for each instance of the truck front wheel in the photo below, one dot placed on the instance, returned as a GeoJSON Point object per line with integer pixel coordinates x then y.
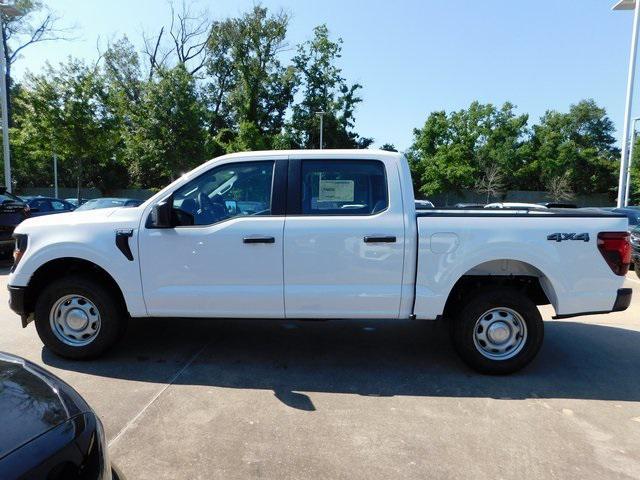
{"type": "Point", "coordinates": [77, 317]}
{"type": "Point", "coordinates": [497, 331]}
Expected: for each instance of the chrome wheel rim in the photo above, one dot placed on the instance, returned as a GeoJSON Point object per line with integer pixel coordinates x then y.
{"type": "Point", "coordinates": [500, 333]}
{"type": "Point", "coordinates": [75, 320]}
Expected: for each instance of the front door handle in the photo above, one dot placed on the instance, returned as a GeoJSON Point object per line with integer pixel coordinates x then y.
{"type": "Point", "coordinates": [259, 240]}
{"type": "Point", "coordinates": [383, 239]}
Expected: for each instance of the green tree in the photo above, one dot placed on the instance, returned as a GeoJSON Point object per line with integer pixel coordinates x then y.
{"type": "Point", "coordinates": [64, 110]}
{"type": "Point", "coordinates": [452, 152]}
{"type": "Point", "coordinates": [578, 144]}
{"type": "Point", "coordinates": [324, 90]}
{"type": "Point", "coordinates": [249, 89]}
{"type": "Point", "coordinates": [167, 136]}
{"type": "Point", "coordinates": [123, 72]}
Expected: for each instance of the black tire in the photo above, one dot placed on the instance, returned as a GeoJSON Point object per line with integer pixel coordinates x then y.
{"type": "Point", "coordinates": [464, 329]}
{"type": "Point", "coordinates": [113, 317]}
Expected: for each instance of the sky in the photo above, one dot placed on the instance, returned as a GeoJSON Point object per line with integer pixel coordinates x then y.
{"type": "Point", "coordinates": [415, 56]}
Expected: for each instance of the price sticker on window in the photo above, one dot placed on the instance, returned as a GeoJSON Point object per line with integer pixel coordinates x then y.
{"type": "Point", "coordinates": [336, 191]}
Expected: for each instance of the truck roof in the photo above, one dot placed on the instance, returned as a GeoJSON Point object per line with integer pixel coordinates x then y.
{"type": "Point", "coordinates": [354, 154]}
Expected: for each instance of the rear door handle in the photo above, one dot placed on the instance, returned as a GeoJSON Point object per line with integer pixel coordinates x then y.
{"type": "Point", "coordinates": [384, 239]}
{"type": "Point", "coordinates": [259, 240]}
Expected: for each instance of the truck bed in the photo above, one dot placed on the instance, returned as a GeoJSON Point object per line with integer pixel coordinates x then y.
{"type": "Point", "coordinates": [511, 242]}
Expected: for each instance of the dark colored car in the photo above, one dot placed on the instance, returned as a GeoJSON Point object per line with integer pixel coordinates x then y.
{"type": "Point", "coordinates": [12, 211]}
{"type": "Point", "coordinates": [96, 203]}
{"type": "Point", "coordinates": [558, 205]}
{"type": "Point", "coordinates": [47, 429]}
{"type": "Point", "coordinates": [48, 206]}
{"type": "Point", "coordinates": [632, 214]}
{"type": "Point", "coordinates": [74, 201]}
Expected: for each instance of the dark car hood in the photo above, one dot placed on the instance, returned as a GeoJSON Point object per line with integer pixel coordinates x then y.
{"type": "Point", "coordinates": [32, 401]}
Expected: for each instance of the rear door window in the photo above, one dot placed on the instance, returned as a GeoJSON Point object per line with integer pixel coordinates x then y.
{"type": "Point", "coordinates": [342, 187]}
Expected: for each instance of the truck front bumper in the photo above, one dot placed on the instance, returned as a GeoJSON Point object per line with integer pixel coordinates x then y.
{"type": "Point", "coordinates": [16, 299]}
{"type": "Point", "coordinates": [18, 303]}
{"type": "Point", "coordinates": [623, 300]}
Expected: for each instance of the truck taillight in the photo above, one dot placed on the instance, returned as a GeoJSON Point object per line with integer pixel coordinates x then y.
{"type": "Point", "coordinates": [616, 250]}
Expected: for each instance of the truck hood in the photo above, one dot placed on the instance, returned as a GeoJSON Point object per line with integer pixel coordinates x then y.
{"type": "Point", "coordinates": [127, 217]}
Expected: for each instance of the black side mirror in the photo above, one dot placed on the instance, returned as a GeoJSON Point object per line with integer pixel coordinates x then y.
{"type": "Point", "coordinates": [161, 214]}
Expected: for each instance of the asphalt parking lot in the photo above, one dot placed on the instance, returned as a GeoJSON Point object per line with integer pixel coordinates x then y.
{"type": "Point", "coordinates": [356, 400]}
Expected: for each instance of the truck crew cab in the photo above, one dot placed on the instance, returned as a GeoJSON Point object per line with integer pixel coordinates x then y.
{"type": "Point", "coordinates": [328, 234]}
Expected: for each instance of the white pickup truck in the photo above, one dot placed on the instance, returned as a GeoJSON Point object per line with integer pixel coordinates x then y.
{"type": "Point", "coordinates": [328, 234]}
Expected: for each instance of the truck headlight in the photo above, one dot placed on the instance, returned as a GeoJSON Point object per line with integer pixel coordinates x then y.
{"type": "Point", "coordinates": [20, 248]}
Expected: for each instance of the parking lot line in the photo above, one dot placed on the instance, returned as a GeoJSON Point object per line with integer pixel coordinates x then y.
{"type": "Point", "coordinates": [634, 280]}
{"type": "Point", "coordinates": [157, 395]}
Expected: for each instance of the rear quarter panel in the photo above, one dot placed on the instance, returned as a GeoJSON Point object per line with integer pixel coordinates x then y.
{"type": "Point", "coordinates": [574, 274]}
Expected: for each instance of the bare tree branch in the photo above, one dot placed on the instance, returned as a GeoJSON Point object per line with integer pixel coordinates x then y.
{"type": "Point", "coordinates": [491, 183]}
{"type": "Point", "coordinates": [46, 30]}
{"type": "Point", "coordinates": [189, 34]}
{"type": "Point", "coordinates": [559, 188]}
{"type": "Point", "coordinates": [152, 54]}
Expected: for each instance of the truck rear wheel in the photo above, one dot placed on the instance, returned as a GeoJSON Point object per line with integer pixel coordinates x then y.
{"type": "Point", "coordinates": [79, 318]}
{"type": "Point", "coordinates": [497, 331]}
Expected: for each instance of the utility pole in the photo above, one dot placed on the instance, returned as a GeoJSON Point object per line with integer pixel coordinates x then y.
{"type": "Point", "coordinates": [6, 153]}
{"type": "Point", "coordinates": [624, 161]}
{"type": "Point", "coordinates": [7, 7]}
{"type": "Point", "coordinates": [55, 175]}
{"type": "Point", "coordinates": [633, 142]}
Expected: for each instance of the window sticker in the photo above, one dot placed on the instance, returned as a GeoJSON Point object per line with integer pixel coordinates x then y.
{"type": "Point", "coordinates": [336, 191]}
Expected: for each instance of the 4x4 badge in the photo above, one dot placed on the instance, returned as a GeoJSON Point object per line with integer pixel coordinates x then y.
{"type": "Point", "coordinates": [561, 237]}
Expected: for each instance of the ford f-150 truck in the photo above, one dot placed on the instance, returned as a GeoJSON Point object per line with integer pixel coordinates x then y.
{"type": "Point", "coordinates": [328, 234]}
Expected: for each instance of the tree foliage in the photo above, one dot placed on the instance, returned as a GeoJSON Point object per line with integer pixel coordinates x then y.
{"type": "Point", "coordinates": [579, 144]}
{"type": "Point", "coordinates": [324, 92]}
{"type": "Point", "coordinates": [197, 89]}
{"type": "Point", "coordinates": [453, 152]}
{"type": "Point", "coordinates": [166, 138]}
{"type": "Point", "coordinates": [65, 110]}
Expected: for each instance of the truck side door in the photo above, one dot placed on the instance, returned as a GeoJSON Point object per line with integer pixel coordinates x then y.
{"type": "Point", "coordinates": [344, 239]}
{"type": "Point", "coordinates": [223, 257]}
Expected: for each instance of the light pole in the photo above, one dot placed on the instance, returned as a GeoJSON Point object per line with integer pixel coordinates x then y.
{"type": "Point", "coordinates": [6, 8]}
{"type": "Point", "coordinates": [321, 115]}
{"type": "Point", "coordinates": [55, 175]}
{"type": "Point", "coordinates": [633, 142]}
{"type": "Point", "coordinates": [624, 160]}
